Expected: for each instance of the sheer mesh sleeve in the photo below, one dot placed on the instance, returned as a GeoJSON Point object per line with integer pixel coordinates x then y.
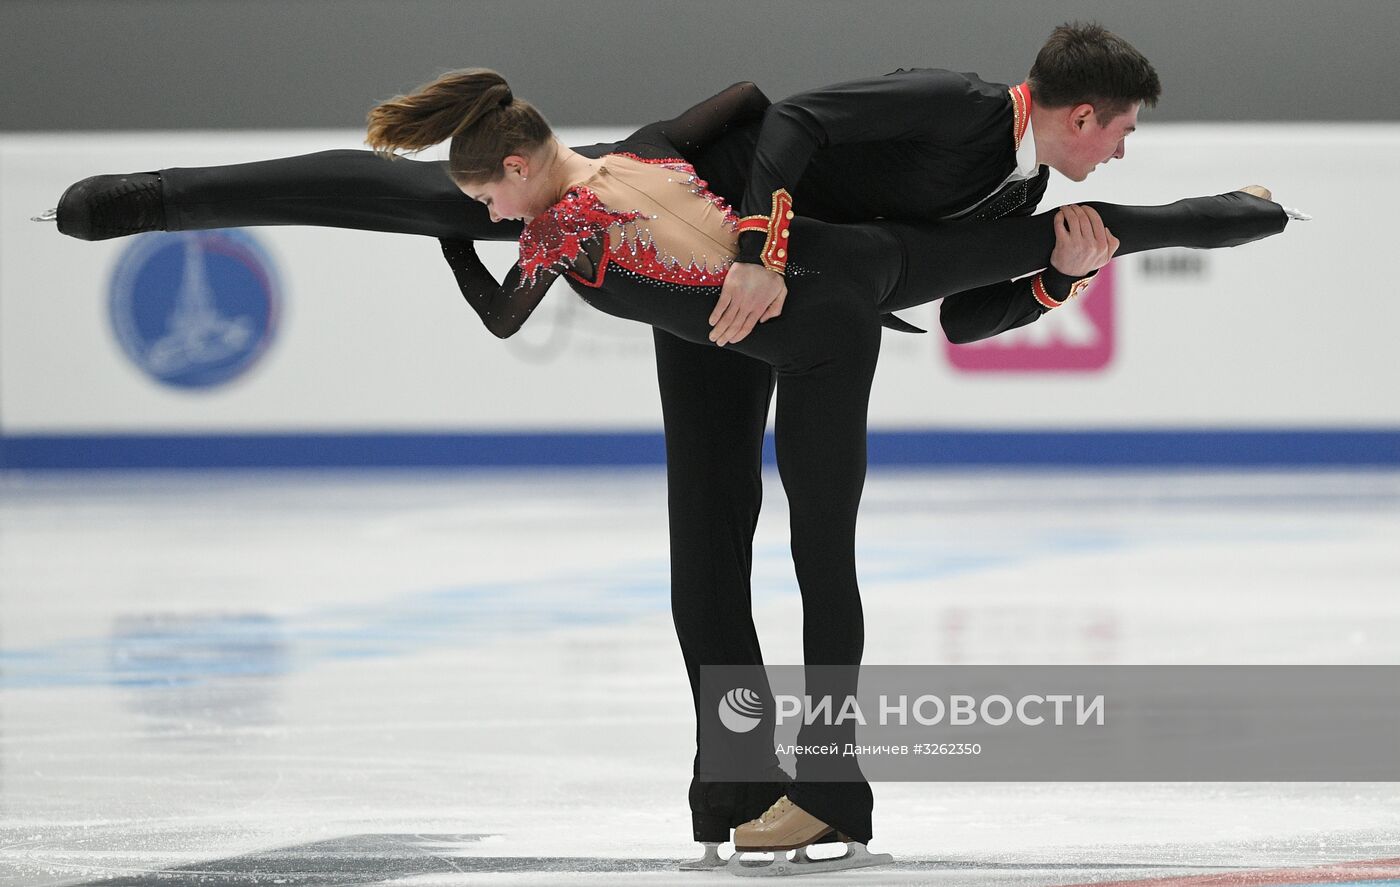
{"type": "Point", "coordinates": [502, 307]}
{"type": "Point", "coordinates": [568, 237]}
{"type": "Point", "coordinates": [696, 128]}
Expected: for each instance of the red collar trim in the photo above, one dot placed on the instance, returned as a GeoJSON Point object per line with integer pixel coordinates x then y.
{"type": "Point", "coordinates": [1021, 112]}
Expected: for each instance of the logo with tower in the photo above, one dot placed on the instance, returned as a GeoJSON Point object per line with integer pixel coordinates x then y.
{"type": "Point", "coordinates": [195, 309]}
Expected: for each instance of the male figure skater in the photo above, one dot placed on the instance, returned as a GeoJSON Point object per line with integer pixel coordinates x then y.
{"type": "Point", "coordinates": [915, 145]}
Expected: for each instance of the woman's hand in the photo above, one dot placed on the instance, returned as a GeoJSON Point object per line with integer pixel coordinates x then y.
{"type": "Point", "coordinates": [1082, 244]}
{"type": "Point", "coordinates": [751, 294]}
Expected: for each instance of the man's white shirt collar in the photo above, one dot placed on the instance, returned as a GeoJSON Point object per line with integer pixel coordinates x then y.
{"type": "Point", "coordinates": [1026, 167]}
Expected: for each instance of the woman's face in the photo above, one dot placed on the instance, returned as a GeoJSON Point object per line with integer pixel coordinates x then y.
{"type": "Point", "coordinates": [509, 197]}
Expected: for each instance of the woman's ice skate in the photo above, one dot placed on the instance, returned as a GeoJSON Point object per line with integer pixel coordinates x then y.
{"type": "Point", "coordinates": [103, 207]}
{"type": "Point", "coordinates": [786, 826]}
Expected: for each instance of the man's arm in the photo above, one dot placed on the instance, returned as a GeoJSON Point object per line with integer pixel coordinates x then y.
{"type": "Point", "coordinates": [921, 105]}
{"type": "Point", "coordinates": [1083, 245]}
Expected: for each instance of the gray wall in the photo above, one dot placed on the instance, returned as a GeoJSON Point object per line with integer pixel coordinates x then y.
{"type": "Point", "coordinates": [141, 64]}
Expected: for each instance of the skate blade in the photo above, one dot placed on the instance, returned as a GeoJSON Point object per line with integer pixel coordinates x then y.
{"type": "Point", "coordinates": [1297, 215]}
{"type": "Point", "coordinates": [50, 216]}
{"type": "Point", "coordinates": [708, 863]}
{"type": "Point", "coordinates": [855, 857]}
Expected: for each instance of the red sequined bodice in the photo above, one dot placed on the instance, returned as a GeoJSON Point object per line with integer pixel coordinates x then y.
{"type": "Point", "coordinates": [655, 218]}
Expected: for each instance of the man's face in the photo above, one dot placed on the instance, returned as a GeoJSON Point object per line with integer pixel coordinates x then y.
{"type": "Point", "coordinates": [1092, 143]}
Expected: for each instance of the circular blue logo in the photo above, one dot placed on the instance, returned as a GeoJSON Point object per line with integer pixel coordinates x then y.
{"type": "Point", "coordinates": [194, 309]}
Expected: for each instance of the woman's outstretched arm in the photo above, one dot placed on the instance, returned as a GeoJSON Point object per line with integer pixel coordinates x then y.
{"type": "Point", "coordinates": [969, 262]}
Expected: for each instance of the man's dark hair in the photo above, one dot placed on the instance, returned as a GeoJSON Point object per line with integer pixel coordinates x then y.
{"type": "Point", "coordinates": [1085, 63]}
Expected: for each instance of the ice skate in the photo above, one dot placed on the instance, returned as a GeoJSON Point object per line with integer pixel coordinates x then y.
{"type": "Point", "coordinates": [103, 207]}
{"type": "Point", "coordinates": [716, 807]}
{"type": "Point", "coordinates": [786, 826]}
{"type": "Point", "coordinates": [707, 863]}
{"type": "Point", "coordinates": [1265, 194]}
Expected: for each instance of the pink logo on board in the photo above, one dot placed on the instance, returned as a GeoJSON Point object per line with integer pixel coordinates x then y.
{"type": "Point", "coordinates": [1075, 337]}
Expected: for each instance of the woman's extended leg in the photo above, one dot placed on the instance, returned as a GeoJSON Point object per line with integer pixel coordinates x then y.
{"type": "Point", "coordinates": [334, 189]}
{"type": "Point", "coordinates": [950, 258]}
{"type": "Point", "coordinates": [970, 263]}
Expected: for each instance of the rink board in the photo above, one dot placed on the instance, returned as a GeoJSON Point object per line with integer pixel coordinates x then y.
{"type": "Point", "coordinates": [357, 349]}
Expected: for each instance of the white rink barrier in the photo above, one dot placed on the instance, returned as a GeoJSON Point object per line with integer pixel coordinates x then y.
{"type": "Point", "coordinates": [344, 347]}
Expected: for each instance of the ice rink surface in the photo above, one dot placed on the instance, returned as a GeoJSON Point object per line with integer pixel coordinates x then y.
{"type": "Point", "coordinates": [472, 678]}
